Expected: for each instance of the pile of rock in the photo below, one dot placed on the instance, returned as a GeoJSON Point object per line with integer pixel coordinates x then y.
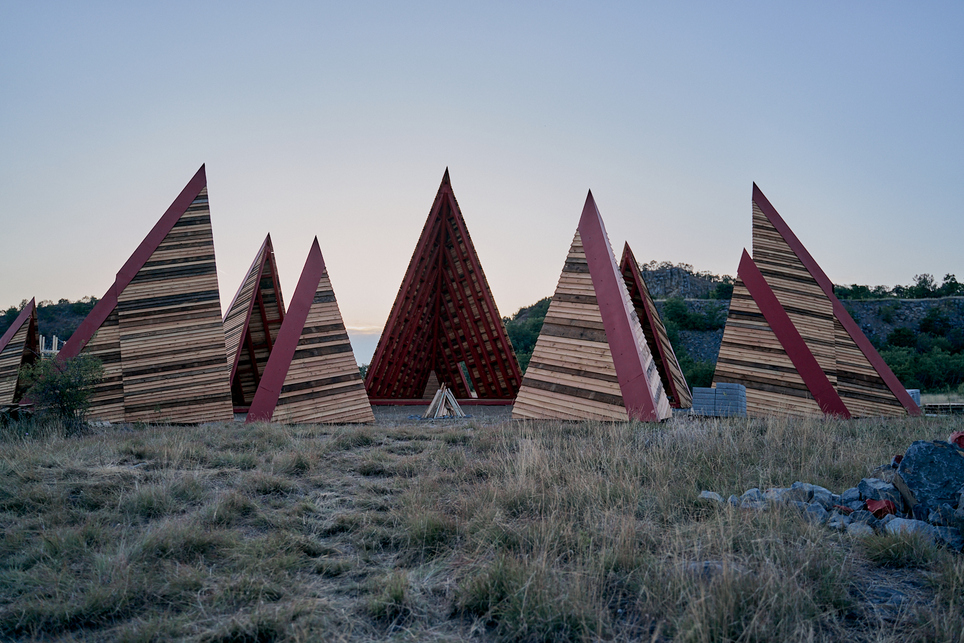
{"type": "Point", "coordinates": [920, 492]}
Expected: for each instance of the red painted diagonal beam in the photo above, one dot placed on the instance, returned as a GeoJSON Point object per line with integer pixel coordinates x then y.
{"type": "Point", "coordinates": [276, 370]}
{"type": "Point", "coordinates": [609, 285]}
{"type": "Point", "coordinates": [636, 278]}
{"type": "Point", "coordinates": [18, 323]}
{"type": "Point", "coordinates": [796, 348]}
{"type": "Point", "coordinates": [839, 311]}
{"type": "Point", "coordinates": [102, 309]}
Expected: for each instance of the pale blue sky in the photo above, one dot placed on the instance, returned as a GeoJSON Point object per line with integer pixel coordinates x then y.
{"type": "Point", "coordinates": [338, 120]}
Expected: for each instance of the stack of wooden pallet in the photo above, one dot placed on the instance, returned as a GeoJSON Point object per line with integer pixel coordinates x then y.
{"type": "Point", "coordinates": [444, 405]}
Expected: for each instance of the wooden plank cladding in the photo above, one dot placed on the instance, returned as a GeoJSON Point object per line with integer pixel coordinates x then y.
{"type": "Point", "coordinates": [311, 374]}
{"type": "Point", "coordinates": [158, 330]}
{"type": "Point", "coordinates": [19, 346]}
{"type": "Point", "coordinates": [806, 324]}
{"type": "Point", "coordinates": [670, 373]}
{"type": "Point", "coordinates": [251, 325]}
{"type": "Point", "coordinates": [444, 320]}
{"type": "Point", "coordinates": [591, 360]}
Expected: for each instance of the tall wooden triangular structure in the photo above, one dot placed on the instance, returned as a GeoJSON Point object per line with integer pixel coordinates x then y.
{"type": "Point", "coordinates": [251, 325]}
{"type": "Point", "coordinates": [591, 360]}
{"type": "Point", "coordinates": [158, 330]}
{"type": "Point", "coordinates": [311, 374]}
{"type": "Point", "coordinates": [19, 346]}
{"type": "Point", "coordinates": [445, 320]}
{"type": "Point", "coordinates": [791, 342]}
{"type": "Point", "coordinates": [670, 373]}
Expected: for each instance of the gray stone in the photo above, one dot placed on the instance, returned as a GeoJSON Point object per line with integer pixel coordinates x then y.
{"type": "Point", "coordinates": [711, 497]}
{"type": "Point", "coordinates": [800, 491]}
{"type": "Point", "coordinates": [857, 505]}
{"type": "Point", "coordinates": [734, 500]}
{"type": "Point", "coordinates": [876, 489]}
{"type": "Point", "coordinates": [799, 506]}
{"type": "Point", "coordinates": [816, 513]}
{"type": "Point", "coordinates": [886, 519]}
{"type": "Point", "coordinates": [850, 495]}
{"type": "Point", "coordinates": [822, 496]}
{"type": "Point", "coordinates": [933, 472]}
{"type": "Point", "coordinates": [752, 495]}
{"type": "Point", "coordinates": [776, 494]}
{"type": "Point", "coordinates": [910, 526]}
{"type": "Point", "coordinates": [884, 472]}
{"type": "Point", "coordinates": [943, 515]}
{"type": "Point", "coordinates": [950, 537]}
{"type": "Point", "coordinates": [860, 529]}
{"type": "Point", "coordinates": [835, 499]}
{"type": "Point", "coordinates": [759, 505]}
{"type": "Point", "coordinates": [838, 521]}
{"type": "Point", "coordinates": [865, 517]}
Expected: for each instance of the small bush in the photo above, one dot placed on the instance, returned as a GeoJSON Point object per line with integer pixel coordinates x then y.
{"type": "Point", "coordinates": [900, 550]}
{"type": "Point", "coordinates": [62, 390]}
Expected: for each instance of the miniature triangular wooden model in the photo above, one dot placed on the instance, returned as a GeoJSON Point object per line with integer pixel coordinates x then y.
{"type": "Point", "coordinates": [791, 342]}
{"type": "Point", "coordinates": [158, 330]}
{"type": "Point", "coordinates": [19, 347]}
{"type": "Point", "coordinates": [311, 375]}
{"type": "Point", "coordinates": [444, 315]}
{"type": "Point", "coordinates": [670, 373]}
{"type": "Point", "coordinates": [591, 360]}
{"type": "Point", "coordinates": [251, 325]}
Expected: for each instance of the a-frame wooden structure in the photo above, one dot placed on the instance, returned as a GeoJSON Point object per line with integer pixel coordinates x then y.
{"type": "Point", "coordinates": [791, 342]}
{"type": "Point", "coordinates": [591, 360]}
{"type": "Point", "coordinates": [158, 330]}
{"type": "Point", "coordinates": [444, 320]}
{"type": "Point", "coordinates": [311, 375]}
{"type": "Point", "coordinates": [19, 346]}
{"type": "Point", "coordinates": [251, 325]}
{"type": "Point", "coordinates": [670, 373]}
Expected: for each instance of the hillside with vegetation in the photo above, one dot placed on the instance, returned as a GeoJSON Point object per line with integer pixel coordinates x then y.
{"type": "Point", "coordinates": [918, 328]}
{"type": "Point", "coordinates": [58, 319]}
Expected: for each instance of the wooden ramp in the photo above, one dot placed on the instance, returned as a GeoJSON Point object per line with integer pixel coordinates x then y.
{"type": "Point", "coordinates": [19, 346]}
{"type": "Point", "coordinates": [670, 373]}
{"type": "Point", "coordinates": [158, 330]}
{"type": "Point", "coordinates": [251, 325]}
{"type": "Point", "coordinates": [791, 342]}
{"type": "Point", "coordinates": [443, 319]}
{"type": "Point", "coordinates": [311, 375]}
{"type": "Point", "coordinates": [591, 360]}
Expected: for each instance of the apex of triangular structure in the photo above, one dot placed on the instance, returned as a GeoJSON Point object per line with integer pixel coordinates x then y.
{"type": "Point", "coordinates": [18, 346]}
{"type": "Point", "coordinates": [443, 316]}
{"type": "Point", "coordinates": [445, 177]}
{"type": "Point", "coordinates": [27, 311]}
{"type": "Point", "coordinates": [591, 360]}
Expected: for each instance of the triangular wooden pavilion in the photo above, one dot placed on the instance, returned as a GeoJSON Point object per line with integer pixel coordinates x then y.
{"type": "Point", "coordinates": [591, 360]}
{"type": "Point", "coordinates": [311, 375]}
{"type": "Point", "coordinates": [791, 342]}
{"type": "Point", "coordinates": [158, 330]}
{"type": "Point", "coordinates": [444, 320]}
{"type": "Point", "coordinates": [19, 346]}
{"type": "Point", "coordinates": [670, 373]}
{"type": "Point", "coordinates": [251, 325]}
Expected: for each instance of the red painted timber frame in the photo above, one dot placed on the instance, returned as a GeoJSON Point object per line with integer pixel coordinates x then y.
{"type": "Point", "coordinates": [417, 294]}
{"type": "Point", "coordinates": [266, 253]}
{"type": "Point", "coordinates": [629, 261]}
{"type": "Point", "coordinates": [609, 285]}
{"type": "Point", "coordinates": [21, 319]}
{"type": "Point", "coordinates": [276, 370]}
{"type": "Point", "coordinates": [102, 309]}
{"type": "Point", "coordinates": [796, 348]}
{"type": "Point", "coordinates": [838, 309]}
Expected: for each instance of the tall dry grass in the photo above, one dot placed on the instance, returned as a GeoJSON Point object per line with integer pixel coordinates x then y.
{"type": "Point", "coordinates": [513, 531]}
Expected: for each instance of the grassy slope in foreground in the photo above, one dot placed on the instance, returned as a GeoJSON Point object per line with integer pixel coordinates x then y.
{"type": "Point", "coordinates": [444, 532]}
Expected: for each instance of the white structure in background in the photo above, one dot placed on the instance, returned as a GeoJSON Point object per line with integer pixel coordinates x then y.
{"type": "Point", "coordinates": [52, 349]}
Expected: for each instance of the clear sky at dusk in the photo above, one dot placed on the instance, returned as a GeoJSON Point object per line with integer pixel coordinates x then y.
{"type": "Point", "coordinates": [338, 121]}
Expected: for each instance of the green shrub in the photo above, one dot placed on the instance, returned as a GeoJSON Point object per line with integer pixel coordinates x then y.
{"type": "Point", "coordinates": [62, 390]}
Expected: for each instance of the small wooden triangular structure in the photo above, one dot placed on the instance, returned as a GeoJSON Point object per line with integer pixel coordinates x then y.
{"type": "Point", "coordinates": [791, 342]}
{"type": "Point", "coordinates": [591, 360]}
{"type": "Point", "coordinates": [670, 373]}
{"type": "Point", "coordinates": [251, 325]}
{"type": "Point", "coordinates": [158, 330]}
{"type": "Point", "coordinates": [19, 346]}
{"type": "Point", "coordinates": [444, 405]}
{"type": "Point", "coordinates": [311, 375]}
{"type": "Point", "coordinates": [444, 315]}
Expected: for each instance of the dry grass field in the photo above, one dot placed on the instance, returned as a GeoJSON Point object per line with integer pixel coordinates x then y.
{"type": "Point", "coordinates": [457, 530]}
